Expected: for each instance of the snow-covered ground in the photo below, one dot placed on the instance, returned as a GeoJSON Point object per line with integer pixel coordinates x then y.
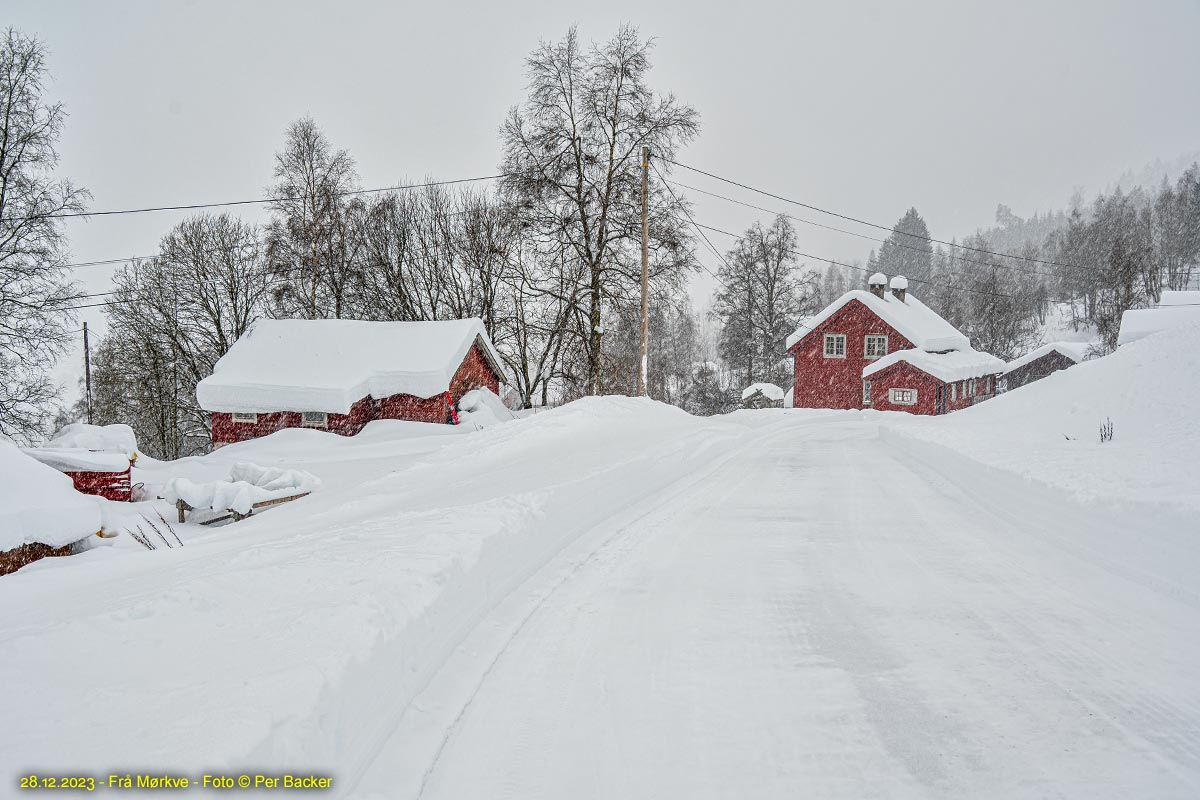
{"type": "Point", "coordinates": [615, 599]}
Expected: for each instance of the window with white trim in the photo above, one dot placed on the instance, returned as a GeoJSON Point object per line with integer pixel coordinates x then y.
{"type": "Point", "coordinates": [989, 384]}
{"type": "Point", "coordinates": [241, 416]}
{"type": "Point", "coordinates": [874, 347]}
{"type": "Point", "coordinates": [971, 387]}
{"type": "Point", "coordinates": [835, 345]}
{"type": "Point", "coordinates": [954, 392]}
{"type": "Point", "coordinates": [314, 419]}
{"type": "Point", "coordinates": [866, 393]}
{"type": "Point", "coordinates": [902, 397]}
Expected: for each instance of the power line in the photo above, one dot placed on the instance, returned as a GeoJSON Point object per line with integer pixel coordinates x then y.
{"type": "Point", "coordinates": [876, 225]}
{"type": "Point", "coordinates": [989, 264]}
{"type": "Point", "coordinates": [228, 203]}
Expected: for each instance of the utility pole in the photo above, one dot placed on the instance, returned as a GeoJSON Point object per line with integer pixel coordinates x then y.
{"type": "Point", "coordinates": [87, 374]}
{"type": "Point", "coordinates": [644, 339]}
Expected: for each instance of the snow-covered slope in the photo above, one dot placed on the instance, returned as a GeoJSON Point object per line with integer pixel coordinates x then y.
{"type": "Point", "coordinates": [39, 504]}
{"type": "Point", "coordinates": [1049, 430]}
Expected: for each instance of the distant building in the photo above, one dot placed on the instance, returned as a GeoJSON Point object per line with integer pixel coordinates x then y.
{"type": "Point", "coordinates": [887, 350]}
{"type": "Point", "coordinates": [1174, 310]}
{"type": "Point", "coordinates": [762, 395]}
{"type": "Point", "coordinates": [338, 375]}
{"type": "Point", "coordinates": [1037, 364]}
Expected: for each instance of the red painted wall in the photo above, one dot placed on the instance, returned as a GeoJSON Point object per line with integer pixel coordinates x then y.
{"type": "Point", "coordinates": [837, 382]}
{"type": "Point", "coordinates": [903, 375]}
{"type": "Point", "coordinates": [112, 485]}
{"type": "Point", "coordinates": [471, 374]}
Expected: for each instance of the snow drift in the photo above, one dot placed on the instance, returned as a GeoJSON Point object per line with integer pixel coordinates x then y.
{"type": "Point", "coordinates": [40, 504]}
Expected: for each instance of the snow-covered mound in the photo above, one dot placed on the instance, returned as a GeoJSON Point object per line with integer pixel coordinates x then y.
{"type": "Point", "coordinates": [40, 504]}
{"type": "Point", "coordinates": [482, 407]}
{"type": "Point", "coordinates": [768, 390]}
{"type": "Point", "coordinates": [248, 484]}
{"type": "Point", "coordinates": [106, 438]}
{"type": "Point", "coordinates": [1049, 430]}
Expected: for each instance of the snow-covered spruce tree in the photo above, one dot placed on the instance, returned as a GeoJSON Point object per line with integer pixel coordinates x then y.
{"type": "Point", "coordinates": [35, 290]}
{"type": "Point", "coordinates": [762, 295]}
{"type": "Point", "coordinates": [309, 244]}
{"type": "Point", "coordinates": [572, 159]}
{"type": "Point", "coordinates": [907, 250]}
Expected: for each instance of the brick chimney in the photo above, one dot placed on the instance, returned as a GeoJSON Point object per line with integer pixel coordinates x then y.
{"type": "Point", "coordinates": [899, 286]}
{"type": "Point", "coordinates": [876, 283]}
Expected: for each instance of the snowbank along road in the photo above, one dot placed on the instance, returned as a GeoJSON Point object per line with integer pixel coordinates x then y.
{"type": "Point", "coordinates": [618, 600]}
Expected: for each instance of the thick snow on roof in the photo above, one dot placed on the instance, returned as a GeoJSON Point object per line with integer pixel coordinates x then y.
{"type": "Point", "coordinates": [916, 321]}
{"type": "Point", "coordinates": [1139, 323]}
{"type": "Point", "coordinates": [1177, 298]}
{"type": "Point", "coordinates": [329, 364]}
{"type": "Point", "coordinates": [957, 365]}
{"type": "Point", "coordinates": [76, 459]}
{"type": "Point", "coordinates": [40, 504]}
{"type": "Point", "coordinates": [111, 438]}
{"type": "Point", "coordinates": [899, 282]}
{"type": "Point", "coordinates": [877, 279]}
{"type": "Point", "coordinates": [768, 390]}
{"type": "Point", "coordinates": [1072, 350]}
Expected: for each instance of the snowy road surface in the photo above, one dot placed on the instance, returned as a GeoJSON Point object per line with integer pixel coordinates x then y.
{"type": "Point", "coordinates": [617, 600]}
{"type": "Point", "coordinates": [829, 615]}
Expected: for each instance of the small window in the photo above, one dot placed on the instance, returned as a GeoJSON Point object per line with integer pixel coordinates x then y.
{"type": "Point", "coordinates": [875, 347]}
{"type": "Point", "coordinates": [315, 419]}
{"type": "Point", "coordinates": [902, 397]}
{"type": "Point", "coordinates": [989, 385]}
{"type": "Point", "coordinates": [953, 392]}
{"type": "Point", "coordinates": [835, 345]}
{"type": "Point", "coordinates": [239, 416]}
{"type": "Point", "coordinates": [971, 387]}
{"type": "Point", "coordinates": [866, 393]}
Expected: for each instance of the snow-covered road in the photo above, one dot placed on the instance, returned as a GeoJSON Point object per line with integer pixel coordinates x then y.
{"type": "Point", "coordinates": [832, 611]}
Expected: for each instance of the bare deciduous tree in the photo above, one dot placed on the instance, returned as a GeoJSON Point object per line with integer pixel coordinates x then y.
{"type": "Point", "coordinates": [35, 290]}
{"type": "Point", "coordinates": [572, 158]}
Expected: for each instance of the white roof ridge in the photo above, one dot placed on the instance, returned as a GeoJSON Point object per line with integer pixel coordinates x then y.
{"type": "Point", "coordinates": [911, 318]}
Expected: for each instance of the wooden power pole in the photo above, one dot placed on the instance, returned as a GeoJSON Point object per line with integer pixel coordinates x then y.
{"type": "Point", "coordinates": [87, 374]}
{"type": "Point", "coordinates": [644, 339]}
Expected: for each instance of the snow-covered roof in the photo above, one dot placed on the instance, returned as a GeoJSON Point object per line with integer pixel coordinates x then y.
{"type": "Point", "coordinates": [956, 365]}
{"type": "Point", "coordinates": [76, 459]}
{"type": "Point", "coordinates": [1179, 298]}
{"type": "Point", "coordinates": [899, 282]}
{"type": "Point", "coordinates": [110, 438]}
{"type": "Point", "coordinates": [1072, 350]}
{"type": "Point", "coordinates": [768, 390]}
{"type": "Point", "coordinates": [914, 320]}
{"type": "Point", "coordinates": [1142, 322]}
{"type": "Point", "coordinates": [40, 504]}
{"type": "Point", "coordinates": [329, 364]}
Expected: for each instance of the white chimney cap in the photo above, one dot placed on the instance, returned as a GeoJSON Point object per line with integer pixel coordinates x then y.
{"type": "Point", "coordinates": [899, 282]}
{"type": "Point", "coordinates": [878, 279]}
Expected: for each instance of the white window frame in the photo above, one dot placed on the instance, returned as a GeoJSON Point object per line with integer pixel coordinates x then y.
{"type": "Point", "coordinates": [305, 420]}
{"type": "Point", "coordinates": [902, 397]}
{"type": "Point", "coordinates": [244, 417]}
{"type": "Point", "coordinates": [971, 387]}
{"type": "Point", "coordinates": [954, 392]}
{"type": "Point", "coordinates": [835, 339]}
{"type": "Point", "coordinates": [866, 397]}
{"type": "Point", "coordinates": [988, 385]}
{"type": "Point", "coordinates": [876, 338]}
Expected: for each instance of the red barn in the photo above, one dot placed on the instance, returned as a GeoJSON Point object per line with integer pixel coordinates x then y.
{"type": "Point", "coordinates": [887, 350]}
{"type": "Point", "coordinates": [1037, 364]}
{"type": "Point", "coordinates": [104, 474]}
{"type": "Point", "coordinates": [338, 375]}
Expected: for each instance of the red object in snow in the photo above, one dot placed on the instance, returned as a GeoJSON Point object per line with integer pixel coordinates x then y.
{"type": "Point", "coordinates": [475, 371]}
{"type": "Point", "coordinates": [112, 485]}
{"type": "Point", "coordinates": [831, 355]}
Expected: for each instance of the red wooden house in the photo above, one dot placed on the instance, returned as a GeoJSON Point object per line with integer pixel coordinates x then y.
{"type": "Point", "coordinates": [338, 375]}
{"type": "Point", "coordinates": [887, 350]}
{"type": "Point", "coordinates": [103, 474]}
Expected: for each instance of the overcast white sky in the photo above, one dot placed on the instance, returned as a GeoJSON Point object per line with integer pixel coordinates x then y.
{"type": "Point", "coordinates": [864, 108]}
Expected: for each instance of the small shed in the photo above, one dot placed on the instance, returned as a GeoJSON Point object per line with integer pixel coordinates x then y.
{"type": "Point", "coordinates": [762, 395]}
{"type": "Point", "coordinates": [1037, 364]}
{"type": "Point", "coordinates": [107, 475]}
{"type": "Point", "coordinates": [337, 375]}
{"type": "Point", "coordinates": [921, 382]}
{"type": "Point", "coordinates": [41, 514]}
